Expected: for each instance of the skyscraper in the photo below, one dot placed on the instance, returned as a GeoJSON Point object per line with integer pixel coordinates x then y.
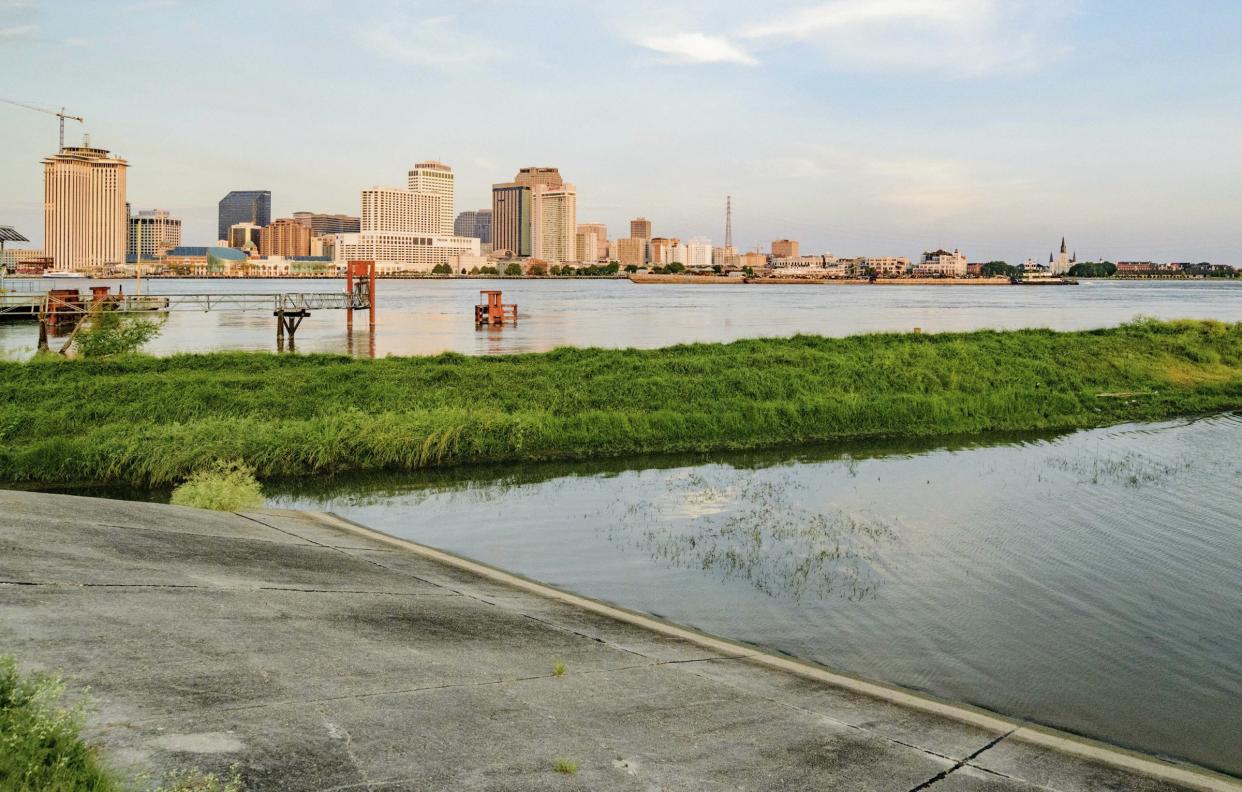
{"type": "Point", "coordinates": [554, 220]}
{"type": "Point", "coordinates": [476, 224]}
{"type": "Point", "coordinates": [785, 248]}
{"type": "Point", "coordinates": [640, 228]}
{"type": "Point", "coordinates": [85, 222]}
{"type": "Point", "coordinates": [529, 177]}
{"type": "Point", "coordinates": [244, 206]}
{"type": "Point", "coordinates": [601, 239]}
{"type": "Point", "coordinates": [511, 218]}
{"type": "Point", "coordinates": [436, 178]}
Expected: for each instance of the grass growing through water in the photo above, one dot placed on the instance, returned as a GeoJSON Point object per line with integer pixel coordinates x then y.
{"type": "Point", "coordinates": [223, 486]}
{"type": "Point", "coordinates": [144, 420]}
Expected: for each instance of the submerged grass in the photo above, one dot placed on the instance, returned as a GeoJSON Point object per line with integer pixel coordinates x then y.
{"type": "Point", "coordinates": [153, 421]}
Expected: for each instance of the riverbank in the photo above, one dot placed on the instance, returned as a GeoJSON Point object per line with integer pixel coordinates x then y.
{"type": "Point", "coordinates": [311, 653]}
{"type": "Point", "coordinates": [152, 421]}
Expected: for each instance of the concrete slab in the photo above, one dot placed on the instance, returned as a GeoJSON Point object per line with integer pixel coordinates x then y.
{"type": "Point", "coordinates": [316, 656]}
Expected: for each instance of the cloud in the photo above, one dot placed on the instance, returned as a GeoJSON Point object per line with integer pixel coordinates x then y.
{"type": "Point", "coordinates": [698, 48]}
{"type": "Point", "coordinates": [963, 37]}
{"type": "Point", "coordinates": [16, 32]}
{"type": "Point", "coordinates": [432, 42]}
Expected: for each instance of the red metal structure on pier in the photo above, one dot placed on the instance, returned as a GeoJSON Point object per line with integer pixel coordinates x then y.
{"type": "Point", "coordinates": [492, 311]}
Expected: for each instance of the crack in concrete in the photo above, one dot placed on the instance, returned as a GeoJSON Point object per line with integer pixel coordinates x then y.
{"type": "Point", "coordinates": [348, 740]}
{"type": "Point", "coordinates": [943, 774]}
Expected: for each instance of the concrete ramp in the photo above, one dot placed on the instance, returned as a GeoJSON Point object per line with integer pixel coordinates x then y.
{"type": "Point", "coordinates": [317, 655]}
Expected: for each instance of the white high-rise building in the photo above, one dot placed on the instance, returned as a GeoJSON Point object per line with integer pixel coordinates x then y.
{"type": "Point", "coordinates": [395, 209]}
{"type": "Point", "coordinates": [436, 178]}
{"type": "Point", "coordinates": [698, 253]}
{"type": "Point", "coordinates": [85, 221]}
{"type": "Point", "coordinates": [153, 233]}
{"type": "Point", "coordinates": [554, 222]}
{"type": "Point", "coordinates": [408, 230]}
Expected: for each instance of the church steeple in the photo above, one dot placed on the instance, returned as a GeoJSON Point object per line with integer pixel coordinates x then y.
{"type": "Point", "coordinates": [1063, 244]}
{"type": "Point", "coordinates": [1049, 256]}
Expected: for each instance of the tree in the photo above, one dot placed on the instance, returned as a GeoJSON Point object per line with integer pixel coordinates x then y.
{"type": "Point", "coordinates": [716, 268]}
{"type": "Point", "coordinates": [1093, 269]}
{"type": "Point", "coordinates": [995, 268]}
{"type": "Point", "coordinates": [749, 270]}
{"type": "Point", "coordinates": [442, 269]}
{"type": "Point", "coordinates": [631, 267]}
{"type": "Point", "coordinates": [675, 268]}
{"type": "Point", "coordinates": [537, 270]}
{"type": "Point", "coordinates": [513, 268]}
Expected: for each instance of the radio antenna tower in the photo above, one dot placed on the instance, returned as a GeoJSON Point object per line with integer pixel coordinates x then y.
{"type": "Point", "coordinates": [728, 222]}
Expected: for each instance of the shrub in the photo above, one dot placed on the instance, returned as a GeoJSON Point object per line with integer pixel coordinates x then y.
{"type": "Point", "coordinates": [40, 739]}
{"type": "Point", "coordinates": [111, 333]}
{"type": "Point", "coordinates": [224, 486]}
{"type": "Point", "coordinates": [566, 766]}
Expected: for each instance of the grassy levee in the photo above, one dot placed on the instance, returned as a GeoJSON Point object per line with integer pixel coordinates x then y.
{"type": "Point", "coordinates": [152, 421]}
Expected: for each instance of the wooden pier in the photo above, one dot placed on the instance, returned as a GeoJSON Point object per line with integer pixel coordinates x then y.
{"type": "Point", "coordinates": [59, 307]}
{"type": "Point", "coordinates": [492, 311]}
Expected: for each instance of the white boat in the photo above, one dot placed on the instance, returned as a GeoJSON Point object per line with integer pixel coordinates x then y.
{"type": "Point", "coordinates": [63, 274]}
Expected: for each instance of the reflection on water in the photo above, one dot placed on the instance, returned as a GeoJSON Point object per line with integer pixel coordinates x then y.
{"type": "Point", "coordinates": [725, 521]}
{"type": "Point", "coordinates": [1091, 581]}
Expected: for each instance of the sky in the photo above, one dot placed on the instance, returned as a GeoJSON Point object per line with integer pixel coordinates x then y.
{"type": "Point", "coordinates": [858, 127]}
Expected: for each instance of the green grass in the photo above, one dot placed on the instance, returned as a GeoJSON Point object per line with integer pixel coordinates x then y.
{"type": "Point", "coordinates": [153, 421]}
{"type": "Point", "coordinates": [565, 766]}
{"type": "Point", "coordinates": [223, 486]}
{"type": "Point", "coordinates": [40, 743]}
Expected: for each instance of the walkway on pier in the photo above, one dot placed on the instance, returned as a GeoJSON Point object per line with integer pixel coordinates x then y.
{"type": "Point", "coordinates": [315, 654]}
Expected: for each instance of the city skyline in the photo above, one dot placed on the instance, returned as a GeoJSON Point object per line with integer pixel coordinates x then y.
{"type": "Point", "coordinates": [1112, 124]}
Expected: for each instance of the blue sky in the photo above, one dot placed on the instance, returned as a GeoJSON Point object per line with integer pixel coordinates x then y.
{"type": "Point", "coordinates": [860, 127]}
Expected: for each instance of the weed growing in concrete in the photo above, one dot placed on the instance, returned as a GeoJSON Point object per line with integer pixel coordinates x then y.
{"type": "Point", "coordinates": [224, 486]}
{"type": "Point", "coordinates": [566, 766]}
{"type": "Point", "coordinates": [195, 781]}
{"type": "Point", "coordinates": [40, 738]}
{"type": "Point", "coordinates": [558, 669]}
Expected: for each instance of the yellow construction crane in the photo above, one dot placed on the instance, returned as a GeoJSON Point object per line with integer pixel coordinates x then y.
{"type": "Point", "coordinates": [61, 114]}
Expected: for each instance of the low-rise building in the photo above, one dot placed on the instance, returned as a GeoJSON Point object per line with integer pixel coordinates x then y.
{"type": "Point", "coordinates": [398, 252]}
{"type": "Point", "coordinates": [631, 250]}
{"type": "Point", "coordinates": [698, 254]}
{"type": "Point", "coordinates": [886, 266]}
{"type": "Point", "coordinates": [941, 264]}
{"type": "Point", "coordinates": [245, 236]}
{"type": "Point", "coordinates": [825, 266]}
{"type": "Point", "coordinates": [285, 237]}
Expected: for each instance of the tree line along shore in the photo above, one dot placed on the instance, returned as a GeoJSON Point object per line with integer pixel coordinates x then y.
{"type": "Point", "coordinates": [152, 421]}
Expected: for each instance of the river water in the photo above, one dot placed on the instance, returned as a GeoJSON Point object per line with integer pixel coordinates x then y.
{"type": "Point", "coordinates": [1092, 582]}
{"type": "Point", "coordinates": [429, 316]}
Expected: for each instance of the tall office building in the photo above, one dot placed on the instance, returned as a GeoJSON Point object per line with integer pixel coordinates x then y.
{"type": "Point", "coordinates": [640, 228]}
{"type": "Point", "coordinates": [631, 251]}
{"type": "Point", "coordinates": [476, 224]}
{"type": "Point", "coordinates": [698, 253]}
{"type": "Point", "coordinates": [435, 178]}
{"type": "Point", "coordinates": [785, 248]}
{"type": "Point", "coordinates": [244, 206]}
{"type": "Point", "coordinates": [85, 221]}
{"type": "Point", "coordinates": [554, 222]}
{"type": "Point", "coordinates": [285, 237]}
{"type": "Point", "coordinates": [511, 215]}
{"type": "Point", "coordinates": [660, 250]}
{"type": "Point", "coordinates": [153, 233]}
{"type": "Point", "coordinates": [320, 224]}
{"type": "Point", "coordinates": [244, 236]}
{"type": "Point", "coordinates": [586, 246]}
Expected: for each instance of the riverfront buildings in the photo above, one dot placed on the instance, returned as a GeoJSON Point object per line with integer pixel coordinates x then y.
{"type": "Point", "coordinates": [535, 215]}
{"type": "Point", "coordinates": [409, 230]}
{"type": "Point", "coordinates": [152, 234]}
{"type": "Point", "coordinates": [941, 264]}
{"type": "Point", "coordinates": [601, 240]}
{"type": "Point", "coordinates": [85, 222]}
{"type": "Point", "coordinates": [640, 228]}
{"type": "Point", "coordinates": [244, 206]}
{"type": "Point", "coordinates": [244, 236]}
